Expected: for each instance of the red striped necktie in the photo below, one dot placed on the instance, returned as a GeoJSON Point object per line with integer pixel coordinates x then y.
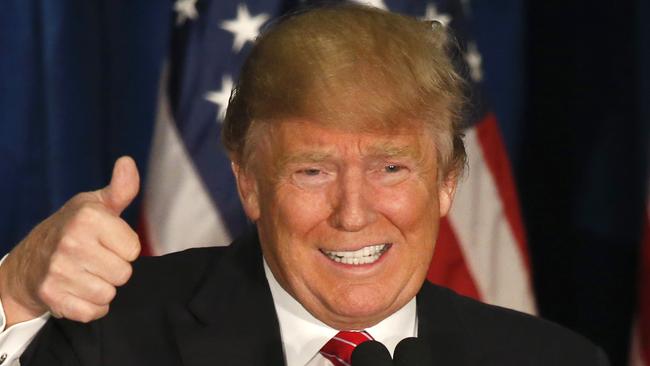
{"type": "Point", "coordinates": [339, 349]}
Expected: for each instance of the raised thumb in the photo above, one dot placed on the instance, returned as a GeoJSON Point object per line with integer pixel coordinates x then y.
{"type": "Point", "coordinates": [124, 185]}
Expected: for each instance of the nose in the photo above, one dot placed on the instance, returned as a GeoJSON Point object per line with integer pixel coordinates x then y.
{"type": "Point", "coordinates": [352, 205]}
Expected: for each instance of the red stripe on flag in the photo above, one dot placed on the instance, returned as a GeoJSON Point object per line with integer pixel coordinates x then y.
{"type": "Point", "coordinates": [496, 159]}
{"type": "Point", "coordinates": [448, 267]}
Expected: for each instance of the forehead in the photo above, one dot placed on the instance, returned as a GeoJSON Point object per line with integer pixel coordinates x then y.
{"type": "Point", "coordinates": [296, 139]}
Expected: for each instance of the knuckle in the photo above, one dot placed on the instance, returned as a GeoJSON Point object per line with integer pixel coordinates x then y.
{"type": "Point", "coordinates": [93, 291]}
{"type": "Point", "coordinates": [134, 251]}
{"type": "Point", "coordinates": [84, 316]}
{"type": "Point", "coordinates": [131, 245]}
{"type": "Point", "coordinates": [68, 244]}
{"type": "Point", "coordinates": [123, 275]}
{"type": "Point", "coordinates": [86, 214]}
{"type": "Point", "coordinates": [46, 295]}
{"type": "Point", "coordinates": [67, 308]}
{"type": "Point", "coordinates": [102, 294]}
{"type": "Point", "coordinates": [91, 312]}
{"type": "Point", "coordinates": [55, 268]}
{"type": "Point", "coordinates": [76, 310]}
{"type": "Point", "coordinates": [135, 238]}
{"type": "Point", "coordinates": [109, 295]}
{"type": "Point", "coordinates": [101, 311]}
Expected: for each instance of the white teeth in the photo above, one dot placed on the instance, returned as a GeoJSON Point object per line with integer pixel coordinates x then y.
{"type": "Point", "coordinates": [364, 255]}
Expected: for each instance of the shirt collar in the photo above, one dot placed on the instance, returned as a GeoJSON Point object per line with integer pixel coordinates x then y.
{"type": "Point", "coordinates": [303, 335]}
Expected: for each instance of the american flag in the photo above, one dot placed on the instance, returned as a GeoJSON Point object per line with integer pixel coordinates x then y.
{"type": "Point", "coordinates": [190, 197]}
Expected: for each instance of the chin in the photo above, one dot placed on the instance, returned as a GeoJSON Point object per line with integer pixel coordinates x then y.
{"type": "Point", "coordinates": [363, 308]}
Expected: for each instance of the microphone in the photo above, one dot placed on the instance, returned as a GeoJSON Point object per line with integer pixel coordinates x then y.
{"type": "Point", "coordinates": [371, 353]}
{"type": "Point", "coordinates": [413, 352]}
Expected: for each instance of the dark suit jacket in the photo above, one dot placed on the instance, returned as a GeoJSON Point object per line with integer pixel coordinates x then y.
{"type": "Point", "coordinates": [213, 306]}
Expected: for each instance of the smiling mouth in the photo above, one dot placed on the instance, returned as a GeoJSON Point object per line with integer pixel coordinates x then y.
{"type": "Point", "coordinates": [365, 255]}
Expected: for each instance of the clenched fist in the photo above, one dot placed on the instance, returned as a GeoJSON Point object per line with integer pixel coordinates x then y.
{"type": "Point", "coordinates": [71, 263]}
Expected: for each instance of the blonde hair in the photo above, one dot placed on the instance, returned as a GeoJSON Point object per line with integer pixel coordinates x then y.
{"type": "Point", "coordinates": [353, 67]}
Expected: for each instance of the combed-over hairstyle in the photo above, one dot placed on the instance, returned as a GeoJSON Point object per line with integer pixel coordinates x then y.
{"type": "Point", "coordinates": [352, 67]}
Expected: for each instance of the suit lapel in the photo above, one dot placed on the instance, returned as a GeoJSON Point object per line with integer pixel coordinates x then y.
{"type": "Point", "coordinates": [231, 319]}
{"type": "Point", "coordinates": [440, 325]}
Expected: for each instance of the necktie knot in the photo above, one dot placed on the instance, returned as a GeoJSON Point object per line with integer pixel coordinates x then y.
{"type": "Point", "coordinates": [339, 349]}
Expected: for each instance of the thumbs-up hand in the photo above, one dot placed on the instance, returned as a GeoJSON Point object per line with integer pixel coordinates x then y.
{"type": "Point", "coordinates": [71, 263]}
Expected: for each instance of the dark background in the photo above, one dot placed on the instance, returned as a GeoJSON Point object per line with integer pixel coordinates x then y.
{"type": "Point", "coordinates": [568, 81]}
{"type": "Point", "coordinates": [583, 161]}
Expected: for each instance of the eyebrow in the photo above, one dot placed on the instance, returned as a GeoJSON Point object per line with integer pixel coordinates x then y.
{"type": "Point", "coordinates": [305, 157]}
{"type": "Point", "coordinates": [387, 150]}
{"type": "Point", "coordinates": [392, 151]}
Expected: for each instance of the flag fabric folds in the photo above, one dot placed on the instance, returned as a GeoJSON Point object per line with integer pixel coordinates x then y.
{"type": "Point", "coordinates": [190, 197]}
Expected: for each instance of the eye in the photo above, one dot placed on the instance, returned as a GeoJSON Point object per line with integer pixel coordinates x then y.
{"type": "Point", "coordinates": [310, 172]}
{"type": "Point", "coordinates": [393, 168]}
{"type": "Point", "coordinates": [389, 174]}
{"type": "Point", "coordinates": [312, 177]}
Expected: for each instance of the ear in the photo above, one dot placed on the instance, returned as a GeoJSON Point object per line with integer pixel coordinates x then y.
{"type": "Point", "coordinates": [248, 192]}
{"type": "Point", "coordinates": [446, 191]}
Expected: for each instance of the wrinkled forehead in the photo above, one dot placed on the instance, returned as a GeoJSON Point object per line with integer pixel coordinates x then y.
{"type": "Point", "coordinates": [293, 140]}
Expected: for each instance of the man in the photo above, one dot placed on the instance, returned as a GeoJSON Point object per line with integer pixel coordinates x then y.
{"type": "Point", "coordinates": [344, 136]}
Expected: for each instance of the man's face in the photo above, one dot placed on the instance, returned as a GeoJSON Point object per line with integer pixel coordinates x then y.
{"type": "Point", "coordinates": [347, 221]}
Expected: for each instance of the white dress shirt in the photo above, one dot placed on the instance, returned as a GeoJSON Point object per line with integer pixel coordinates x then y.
{"type": "Point", "coordinates": [302, 334]}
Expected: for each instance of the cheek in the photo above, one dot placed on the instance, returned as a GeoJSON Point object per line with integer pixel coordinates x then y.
{"type": "Point", "coordinates": [414, 212]}
{"type": "Point", "coordinates": [408, 207]}
{"type": "Point", "coordinates": [295, 212]}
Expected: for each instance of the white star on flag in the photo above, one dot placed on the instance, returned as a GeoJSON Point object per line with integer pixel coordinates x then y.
{"type": "Point", "coordinates": [244, 28]}
{"type": "Point", "coordinates": [186, 9]}
{"type": "Point", "coordinates": [474, 60]}
{"type": "Point", "coordinates": [376, 3]}
{"type": "Point", "coordinates": [431, 13]}
{"type": "Point", "coordinates": [222, 97]}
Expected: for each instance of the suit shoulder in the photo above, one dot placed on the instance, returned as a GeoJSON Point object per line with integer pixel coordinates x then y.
{"type": "Point", "coordinates": [504, 334]}
{"type": "Point", "coordinates": [137, 310]}
{"type": "Point", "coordinates": [170, 274]}
{"type": "Point", "coordinates": [176, 264]}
